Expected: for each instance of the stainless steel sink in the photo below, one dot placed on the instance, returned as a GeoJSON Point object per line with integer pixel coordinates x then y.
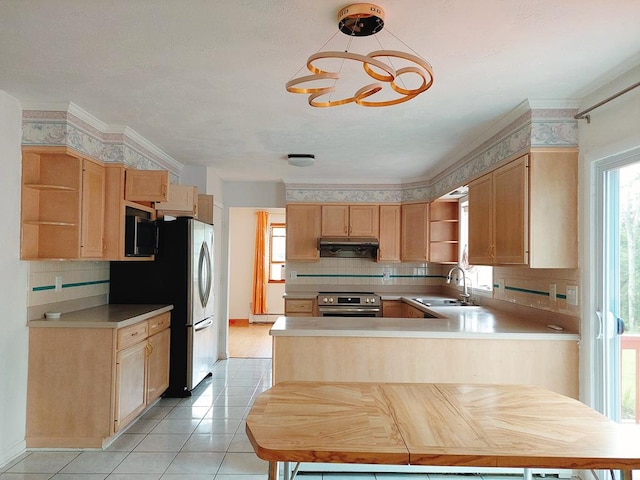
{"type": "Point", "coordinates": [439, 302]}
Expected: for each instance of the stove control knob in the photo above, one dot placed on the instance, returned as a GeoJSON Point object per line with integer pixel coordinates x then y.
{"type": "Point", "coordinates": [366, 300]}
{"type": "Point", "coordinates": [373, 300]}
{"type": "Point", "coordinates": [324, 300]}
{"type": "Point", "coordinates": [331, 300]}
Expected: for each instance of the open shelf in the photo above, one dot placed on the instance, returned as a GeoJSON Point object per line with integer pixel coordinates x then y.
{"type": "Point", "coordinates": [443, 231]}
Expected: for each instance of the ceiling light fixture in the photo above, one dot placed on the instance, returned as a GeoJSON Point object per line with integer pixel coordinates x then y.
{"type": "Point", "coordinates": [393, 69]}
{"type": "Point", "coordinates": [301, 159]}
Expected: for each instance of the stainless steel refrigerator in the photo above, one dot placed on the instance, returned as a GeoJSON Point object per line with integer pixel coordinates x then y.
{"type": "Point", "coordinates": [182, 275]}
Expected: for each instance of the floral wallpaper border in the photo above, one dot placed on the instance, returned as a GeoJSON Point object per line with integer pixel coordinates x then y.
{"type": "Point", "coordinates": [534, 128]}
{"type": "Point", "coordinates": [64, 128]}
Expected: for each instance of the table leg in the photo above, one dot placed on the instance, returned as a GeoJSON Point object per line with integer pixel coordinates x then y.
{"type": "Point", "coordinates": [527, 474]}
{"type": "Point", "coordinates": [286, 474]}
{"type": "Point", "coordinates": [627, 474]}
{"type": "Point", "coordinates": [273, 470]}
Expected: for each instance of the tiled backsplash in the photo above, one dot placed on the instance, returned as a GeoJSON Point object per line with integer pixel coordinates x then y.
{"type": "Point", "coordinates": [531, 288]}
{"type": "Point", "coordinates": [79, 282]}
{"type": "Point", "coordinates": [361, 272]}
{"type": "Point", "coordinates": [522, 286]}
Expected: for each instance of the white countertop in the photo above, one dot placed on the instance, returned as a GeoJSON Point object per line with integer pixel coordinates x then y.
{"type": "Point", "coordinates": [453, 322]}
{"type": "Point", "coordinates": [104, 316]}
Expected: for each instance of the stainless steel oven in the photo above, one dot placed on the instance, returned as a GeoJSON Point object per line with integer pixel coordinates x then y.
{"type": "Point", "coordinates": [349, 304]}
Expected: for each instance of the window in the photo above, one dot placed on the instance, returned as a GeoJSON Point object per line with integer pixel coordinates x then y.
{"type": "Point", "coordinates": [277, 251]}
{"type": "Point", "coordinates": [481, 276]}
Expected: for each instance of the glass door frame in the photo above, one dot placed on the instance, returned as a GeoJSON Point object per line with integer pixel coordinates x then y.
{"type": "Point", "coordinates": [604, 345]}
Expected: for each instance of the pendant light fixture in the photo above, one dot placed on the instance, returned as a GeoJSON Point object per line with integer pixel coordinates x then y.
{"type": "Point", "coordinates": [390, 70]}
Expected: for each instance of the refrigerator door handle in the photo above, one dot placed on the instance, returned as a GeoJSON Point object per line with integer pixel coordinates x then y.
{"type": "Point", "coordinates": [202, 325]}
{"type": "Point", "coordinates": [204, 274]}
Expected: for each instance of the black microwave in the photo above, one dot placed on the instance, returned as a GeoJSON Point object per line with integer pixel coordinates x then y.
{"type": "Point", "coordinates": [140, 236]}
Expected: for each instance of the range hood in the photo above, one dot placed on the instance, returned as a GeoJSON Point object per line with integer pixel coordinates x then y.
{"type": "Point", "coordinates": [348, 247]}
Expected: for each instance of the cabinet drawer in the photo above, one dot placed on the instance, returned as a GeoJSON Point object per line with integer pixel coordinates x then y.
{"type": "Point", "coordinates": [299, 306]}
{"type": "Point", "coordinates": [159, 323]}
{"type": "Point", "coordinates": [128, 336]}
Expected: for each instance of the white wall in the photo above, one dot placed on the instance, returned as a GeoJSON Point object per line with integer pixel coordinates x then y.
{"type": "Point", "coordinates": [242, 231]}
{"type": "Point", "coordinates": [614, 129]}
{"type": "Point", "coordinates": [13, 288]}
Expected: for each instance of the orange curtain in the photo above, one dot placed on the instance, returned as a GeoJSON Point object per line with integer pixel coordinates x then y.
{"type": "Point", "coordinates": [259, 297]}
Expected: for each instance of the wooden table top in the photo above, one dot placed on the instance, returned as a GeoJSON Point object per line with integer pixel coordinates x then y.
{"type": "Point", "coordinates": [436, 424]}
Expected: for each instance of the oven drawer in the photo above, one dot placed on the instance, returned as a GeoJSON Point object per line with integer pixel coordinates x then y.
{"type": "Point", "coordinates": [299, 307]}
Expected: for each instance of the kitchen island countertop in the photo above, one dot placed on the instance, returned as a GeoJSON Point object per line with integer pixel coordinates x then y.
{"type": "Point", "coordinates": [454, 322]}
{"type": "Point", "coordinates": [104, 316]}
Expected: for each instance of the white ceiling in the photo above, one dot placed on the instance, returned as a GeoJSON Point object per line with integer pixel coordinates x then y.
{"type": "Point", "coordinates": [204, 79]}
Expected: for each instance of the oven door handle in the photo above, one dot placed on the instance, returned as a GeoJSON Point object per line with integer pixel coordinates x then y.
{"type": "Point", "coordinates": [348, 310]}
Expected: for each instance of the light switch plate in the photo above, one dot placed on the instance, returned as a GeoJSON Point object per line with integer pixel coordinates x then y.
{"type": "Point", "coordinates": [293, 275]}
{"type": "Point", "coordinates": [501, 285]}
{"type": "Point", "coordinates": [58, 286]}
{"type": "Point", "coordinates": [553, 291]}
{"type": "Point", "coordinates": [572, 294]}
{"type": "Point", "coordinates": [386, 276]}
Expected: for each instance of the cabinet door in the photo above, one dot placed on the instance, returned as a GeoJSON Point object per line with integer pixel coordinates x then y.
{"type": "Point", "coordinates": [93, 199]}
{"type": "Point", "coordinates": [181, 199]}
{"type": "Point", "coordinates": [413, 312]}
{"type": "Point", "coordinates": [389, 235]}
{"type": "Point", "coordinates": [480, 239]}
{"type": "Point", "coordinates": [303, 230]}
{"type": "Point", "coordinates": [146, 185]}
{"type": "Point", "coordinates": [130, 384]}
{"type": "Point", "coordinates": [335, 220]}
{"type": "Point", "coordinates": [553, 209]}
{"type": "Point", "coordinates": [415, 232]}
{"type": "Point", "coordinates": [301, 307]}
{"type": "Point", "coordinates": [364, 221]}
{"type": "Point", "coordinates": [511, 219]}
{"type": "Point", "coordinates": [393, 308]}
{"type": "Point", "coordinates": [158, 364]}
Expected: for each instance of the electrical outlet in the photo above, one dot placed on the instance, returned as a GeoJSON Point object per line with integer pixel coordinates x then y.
{"type": "Point", "coordinates": [386, 276]}
{"type": "Point", "coordinates": [553, 292]}
{"type": "Point", "coordinates": [293, 275]}
{"type": "Point", "coordinates": [58, 284]}
{"type": "Point", "coordinates": [501, 285]}
{"type": "Point", "coordinates": [572, 295]}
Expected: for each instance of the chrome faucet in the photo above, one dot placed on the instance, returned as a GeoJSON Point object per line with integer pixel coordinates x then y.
{"type": "Point", "coordinates": [465, 294]}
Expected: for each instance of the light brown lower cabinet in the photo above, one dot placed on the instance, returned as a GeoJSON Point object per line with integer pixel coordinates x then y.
{"type": "Point", "coordinates": [86, 384]}
{"type": "Point", "coordinates": [393, 308]}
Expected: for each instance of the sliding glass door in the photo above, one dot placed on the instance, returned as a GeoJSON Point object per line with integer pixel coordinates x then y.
{"type": "Point", "coordinates": [618, 305]}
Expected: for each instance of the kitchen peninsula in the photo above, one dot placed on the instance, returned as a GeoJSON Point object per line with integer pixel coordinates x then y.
{"type": "Point", "coordinates": [464, 344]}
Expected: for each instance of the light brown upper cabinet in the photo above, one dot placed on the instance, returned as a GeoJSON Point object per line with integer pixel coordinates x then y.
{"type": "Point", "coordinates": [303, 230]}
{"type": "Point", "coordinates": [350, 221]}
{"type": "Point", "coordinates": [182, 200]}
{"type": "Point", "coordinates": [62, 205]}
{"type": "Point", "coordinates": [146, 185]}
{"type": "Point", "coordinates": [415, 232]}
{"type": "Point", "coordinates": [93, 207]}
{"type": "Point", "coordinates": [525, 212]}
{"type": "Point", "coordinates": [443, 231]}
{"type": "Point", "coordinates": [115, 211]}
{"type": "Point", "coordinates": [389, 236]}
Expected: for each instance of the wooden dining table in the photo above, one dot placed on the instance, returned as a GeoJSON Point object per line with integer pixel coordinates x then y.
{"type": "Point", "coordinates": [441, 424]}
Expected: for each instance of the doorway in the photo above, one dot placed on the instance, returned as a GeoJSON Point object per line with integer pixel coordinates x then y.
{"type": "Point", "coordinates": [248, 334]}
{"type": "Point", "coordinates": [618, 304]}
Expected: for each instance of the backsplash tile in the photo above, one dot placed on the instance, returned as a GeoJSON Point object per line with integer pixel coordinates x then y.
{"type": "Point", "coordinates": [79, 280]}
{"type": "Point", "coordinates": [359, 272]}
